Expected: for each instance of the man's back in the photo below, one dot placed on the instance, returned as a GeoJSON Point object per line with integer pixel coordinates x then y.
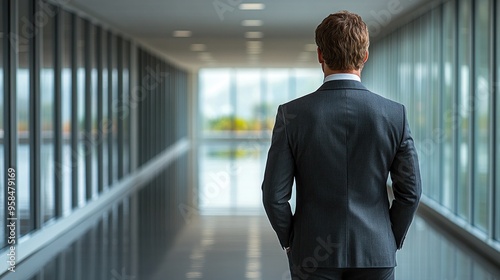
{"type": "Point", "coordinates": [339, 144]}
{"type": "Point", "coordinates": [342, 141]}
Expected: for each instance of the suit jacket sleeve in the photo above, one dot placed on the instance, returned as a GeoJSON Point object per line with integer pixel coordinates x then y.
{"type": "Point", "coordinates": [406, 185]}
{"type": "Point", "coordinates": [278, 181]}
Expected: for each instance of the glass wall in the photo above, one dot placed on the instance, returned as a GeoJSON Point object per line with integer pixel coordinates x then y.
{"type": "Point", "coordinates": [215, 102]}
{"type": "Point", "coordinates": [24, 87]}
{"type": "Point", "coordinates": [113, 100]}
{"type": "Point", "coordinates": [105, 111]}
{"type": "Point", "coordinates": [124, 111]}
{"type": "Point", "coordinates": [2, 133]}
{"type": "Point", "coordinates": [65, 166]}
{"type": "Point", "coordinates": [79, 150]}
{"type": "Point", "coordinates": [496, 88]}
{"type": "Point", "coordinates": [244, 101]}
{"type": "Point", "coordinates": [464, 97]}
{"type": "Point", "coordinates": [92, 124]}
{"type": "Point", "coordinates": [237, 113]}
{"type": "Point", "coordinates": [65, 111]}
{"type": "Point", "coordinates": [448, 124]}
{"type": "Point", "coordinates": [47, 97]}
{"type": "Point", "coordinates": [441, 67]}
{"type": "Point", "coordinates": [71, 82]}
{"type": "Point", "coordinates": [483, 54]}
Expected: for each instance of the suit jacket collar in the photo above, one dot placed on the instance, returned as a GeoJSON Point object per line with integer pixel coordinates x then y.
{"type": "Point", "coordinates": [342, 84]}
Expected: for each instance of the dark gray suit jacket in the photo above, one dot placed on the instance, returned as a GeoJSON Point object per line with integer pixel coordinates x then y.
{"type": "Point", "coordinates": [339, 144]}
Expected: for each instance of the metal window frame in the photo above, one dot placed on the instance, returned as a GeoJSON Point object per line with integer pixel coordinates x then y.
{"type": "Point", "coordinates": [437, 40]}
{"type": "Point", "coordinates": [74, 112]}
{"type": "Point", "coordinates": [88, 138]}
{"type": "Point", "coordinates": [441, 105]}
{"type": "Point", "coordinates": [456, 104]}
{"type": "Point", "coordinates": [147, 116]}
{"type": "Point", "coordinates": [152, 119]}
{"type": "Point", "coordinates": [496, 125]}
{"type": "Point", "coordinates": [10, 13]}
{"type": "Point", "coordinates": [119, 103]}
{"type": "Point", "coordinates": [471, 129]}
{"type": "Point", "coordinates": [470, 192]}
{"type": "Point", "coordinates": [451, 9]}
{"type": "Point", "coordinates": [34, 124]}
{"type": "Point", "coordinates": [491, 144]}
{"type": "Point", "coordinates": [103, 96]}
{"type": "Point", "coordinates": [140, 110]}
{"type": "Point", "coordinates": [100, 112]}
{"type": "Point", "coordinates": [55, 79]}
{"type": "Point", "coordinates": [489, 223]}
{"type": "Point", "coordinates": [130, 108]}
{"type": "Point", "coordinates": [58, 138]}
{"type": "Point", "coordinates": [4, 189]}
{"type": "Point", "coordinates": [110, 107]}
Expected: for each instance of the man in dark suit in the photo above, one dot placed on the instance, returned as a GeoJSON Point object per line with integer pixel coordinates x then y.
{"type": "Point", "coordinates": [339, 144]}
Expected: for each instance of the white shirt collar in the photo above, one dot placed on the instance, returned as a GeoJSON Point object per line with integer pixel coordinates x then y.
{"type": "Point", "coordinates": [343, 76]}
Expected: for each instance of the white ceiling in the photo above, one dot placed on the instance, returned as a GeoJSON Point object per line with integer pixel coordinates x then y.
{"type": "Point", "coordinates": [288, 26]}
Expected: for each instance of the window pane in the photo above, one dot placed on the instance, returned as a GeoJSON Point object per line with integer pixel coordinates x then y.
{"type": "Point", "coordinates": [464, 98]}
{"type": "Point", "coordinates": [215, 103]}
{"type": "Point", "coordinates": [94, 146]}
{"type": "Point", "coordinates": [117, 114]}
{"type": "Point", "coordinates": [23, 117]}
{"type": "Point", "coordinates": [47, 118]}
{"type": "Point", "coordinates": [277, 92]}
{"type": "Point", "coordinates": [434, 98]}
{"type": "Point", "coordinates": [482, 113]}
{"type": "Point", "coordinates": [248, 158]}
{"type": "Point", "coordinates": [114, 114]}
{"type": "Point", "coordinates": [2, 159]}
{"type": "Point", "coordinates": [236, 104]}
{"type": "Point", "coordinates": [449, 125]}
{"type": "Point", "coordinates": [80, 82]}
{"type": "Point", "coordinates": [125, 113]}
{"type": "Point", "coordinates": [249, 107]}
{"type": "Point", "coordinates": [307, 81]}
{"type": "Point", "coordinates": [497, 145]}
{"type": "Point", "coordinates": [215, 177]}
{"type": "Point", "coordinates": [66, 98]}
{"type": "Point", "coordinates": [109, 110]}
{"type": "Point", "coordinates": [105, 114]}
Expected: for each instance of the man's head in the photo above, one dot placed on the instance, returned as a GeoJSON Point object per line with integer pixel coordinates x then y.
{"type": "Point", "coordinates": [343, 42]}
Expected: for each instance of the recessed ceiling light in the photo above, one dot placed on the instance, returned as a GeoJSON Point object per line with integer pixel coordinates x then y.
{"type": "Point", "coordinates": [254, 35]}
{"type": "Point", "coordinates": [198, 47]}
{"type": "Point", "coordinates": [205, 56]}
{"type": "Point", "coordinates": [254, 47]}
{"type": "Point", "coordinates": [182, 33]}
{"type": "Point", "coordinates": [311, 47]}
{"type": "Point", "coordinates": [254, 44]}
{"type": "Point", "coordinates": [254, 51]}
{"type": "Point", "coordinates": [304, 56]}
{"type": "Point", "coordinates": [252, 22]}
{"type": "Point", "coordinates": [252, 6]}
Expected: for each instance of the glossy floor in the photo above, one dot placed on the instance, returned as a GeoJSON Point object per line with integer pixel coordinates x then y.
{"type": "Point", "coordinates": [245, 247]}
{"type": "Point", "coordinates": [223, 247]}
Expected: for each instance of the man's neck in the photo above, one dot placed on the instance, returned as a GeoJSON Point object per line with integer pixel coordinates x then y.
{"type": "Point", "coordinates": [329, 72]}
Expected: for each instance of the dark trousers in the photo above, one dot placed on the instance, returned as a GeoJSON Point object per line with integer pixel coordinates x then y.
{"type": "Point", "coordinates": [322, 273]}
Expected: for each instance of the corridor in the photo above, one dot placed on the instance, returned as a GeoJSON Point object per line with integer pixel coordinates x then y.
{"type": "Point", "coordinates": [245, 247]}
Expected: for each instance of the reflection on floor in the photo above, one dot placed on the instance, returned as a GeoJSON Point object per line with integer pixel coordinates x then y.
{"type": "Point", "coordinates": [245, 247]}
{"type": "Point", "coordinates": [231, 247]}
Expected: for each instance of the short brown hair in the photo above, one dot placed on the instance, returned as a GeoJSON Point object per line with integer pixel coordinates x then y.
{"type": "Point", "coordinates": [343, 40]}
